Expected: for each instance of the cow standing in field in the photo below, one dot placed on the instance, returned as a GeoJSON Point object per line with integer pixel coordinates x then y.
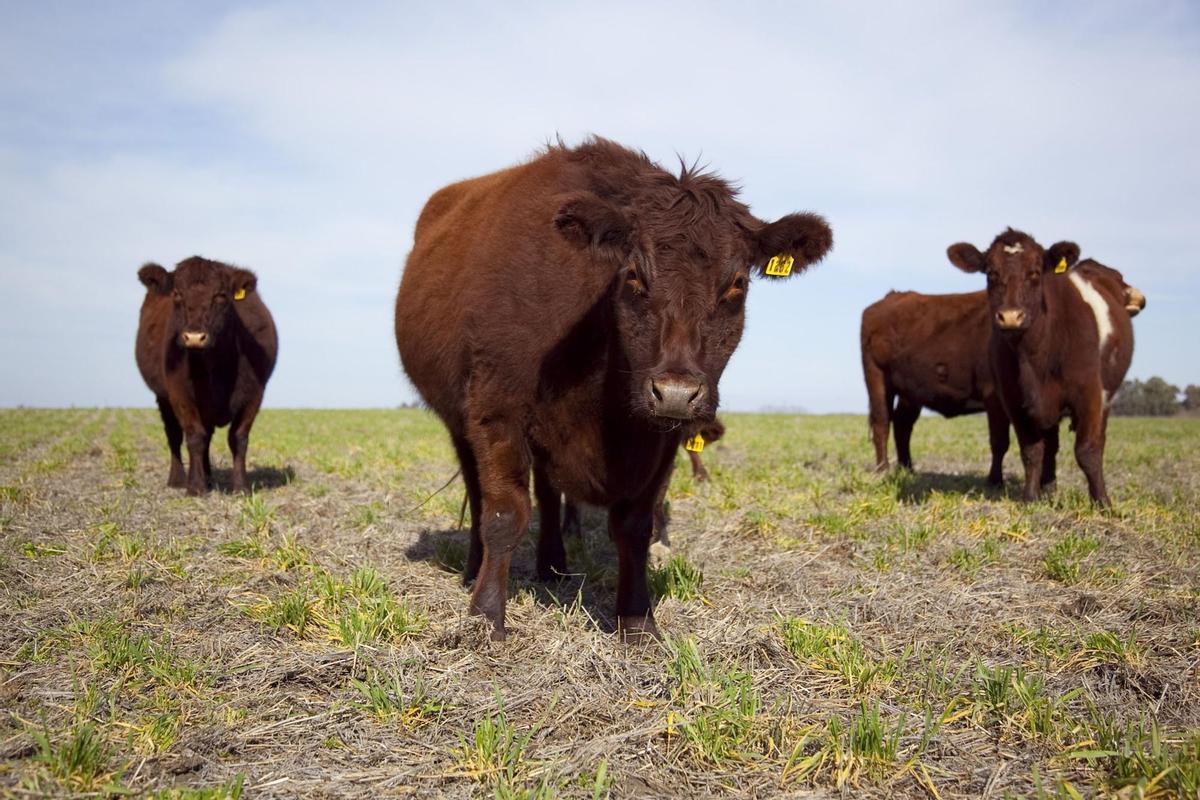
{"type": "Point", "coordinates": [206, 346]}
{"type": "Point", "coordinates": [931, 351]}
{"type": "Point", "coordinates": [571, 315]}
{"type": "Point", "coordinates": [1060, 344]}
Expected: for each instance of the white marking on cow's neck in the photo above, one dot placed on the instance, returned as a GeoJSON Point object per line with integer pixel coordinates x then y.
{"type": "Point", "coordinates": [1100, 310]}
{"type": "Point", "coordinates": [1014, 248]}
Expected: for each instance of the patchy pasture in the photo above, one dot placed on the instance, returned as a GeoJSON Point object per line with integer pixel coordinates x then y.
{"type": "Point", "coordinates": [829, 630]}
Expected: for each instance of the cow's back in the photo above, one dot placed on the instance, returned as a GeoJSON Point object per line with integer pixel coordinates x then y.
{"type": "Point", "coordinates": [490, 285]}
{"type": "Point", "coordinates": [152, 334]}
{"type": "Point", "coordinates": [932, 348]}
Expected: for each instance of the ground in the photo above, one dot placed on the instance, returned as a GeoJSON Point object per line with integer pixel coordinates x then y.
{"type": "Point", "coordinates": [828, 630]}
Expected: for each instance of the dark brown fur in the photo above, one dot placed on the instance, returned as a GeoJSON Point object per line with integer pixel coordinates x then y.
{"type": "Point", "coordinates": [200, 388]}
{"type": "Point", "coordinates": [931, 351]}
{"type": "Point", "coordinates": [1045, 349]}
{"type": "Point", "coordinates": [568, 316]}
{"type": "Point", "coordinates": [552, 561]}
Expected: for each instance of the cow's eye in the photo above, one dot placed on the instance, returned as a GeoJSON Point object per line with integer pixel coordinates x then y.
{"type": "Point", "coordinates": [221, 297]}
{"type": "Point", "coordinates": [634, 283]}
{"type": "Point", "coordinates": [736, 289]}
{"type": "Point", "coordinates": [1033, 275]}
{"type": "Point", "coordinates": [177, 297]}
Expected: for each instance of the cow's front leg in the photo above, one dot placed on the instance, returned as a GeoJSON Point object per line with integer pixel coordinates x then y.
{"type": "Point", "coordinates": [1032, 450]}
{"type": "Point", "coordinates": [998, 439]}
{"type": "Point", "coordinates": [631, 526]}
{"type": "Point", "coordinates": [197, 443]}
{"type": "Point", "coordinates": [1050, 460]}
{"type": "Point", "coordinates": [502, 458]}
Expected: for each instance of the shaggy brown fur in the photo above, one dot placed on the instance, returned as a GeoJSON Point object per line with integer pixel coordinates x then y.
{"type": "Point", "coordinates": [206, 345]}
{"type": "Point", "coordinates": [1046, 351]}
{"type": "Point", "coordinates": [569, 316]}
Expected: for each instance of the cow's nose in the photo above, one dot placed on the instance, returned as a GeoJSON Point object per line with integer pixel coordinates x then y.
{"type": "Point", "coordinates": [1009, 319]}
{"type": "Point", "coordinates": [676, 396]}
{"type": "Point", "coordinates": [1135, 301]}
{"type": "Point", "coordinates": [195, 338]}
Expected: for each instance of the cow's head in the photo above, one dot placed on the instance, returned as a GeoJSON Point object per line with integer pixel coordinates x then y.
{"type": "Point", "coordinates": [682, 252]}
{"type": "Point", "coordinates": [203, 292]}
{"type": "Point", "coordinates": [1015, 265]}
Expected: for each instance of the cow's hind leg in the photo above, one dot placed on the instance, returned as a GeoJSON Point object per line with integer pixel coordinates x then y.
{"type": "Point", "coordinates": [176, 478]}
{"type": "Point", "coordinates": [572, 526]}
{"type": "Point", "coordinates": [239, 441]}
{"type": "Point", "coordinates": [551, 556]}
{"type": "Point", "coordinates": [880, 399]}
{"type": "Point", "coordinates": [470, 475]}
{"type": "Point", "coordinates": [902, 426]}
{"type": "Point", "coordinates": [1089, 451]}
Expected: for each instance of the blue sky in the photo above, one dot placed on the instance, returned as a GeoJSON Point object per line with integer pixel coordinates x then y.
{"type": "Point", "coordinates": [302, 139]}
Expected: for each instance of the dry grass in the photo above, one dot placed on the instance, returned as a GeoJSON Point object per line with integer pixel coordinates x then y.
{"type": "Point", "coordinates": [830, 631]}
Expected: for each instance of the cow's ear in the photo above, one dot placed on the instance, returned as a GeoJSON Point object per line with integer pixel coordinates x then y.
{"type": "Point", "coordinates": [790, 244]}
{"type": "Point", "coordinates": [241, 281]}
{"type": "Point", "coordinates": [590, 222]}
{"type": "Point", "coordinates": [966, 257]}
{"type": "Point", "coordinates": [1060, 257]}
{"type": "Point", "coordinates": [155, 278]}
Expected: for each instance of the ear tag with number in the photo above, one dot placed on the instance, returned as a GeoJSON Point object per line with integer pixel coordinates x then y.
{"type": "Point", "coordinates": [694, 444]}
{"type": "Point", "coordinates": [780, 265]}
{"type": "Point", "coordinates": [1062, 266]}
{"type": "Point", "coordinates": [240, 294]}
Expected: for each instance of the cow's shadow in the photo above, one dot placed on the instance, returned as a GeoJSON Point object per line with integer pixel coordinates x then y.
{"type": "Point", "coordinates": [258, 478]}
{"type": "Point", "coordinates": [918, 487]}
{"type": "Point", "coordinates": [590, 584]}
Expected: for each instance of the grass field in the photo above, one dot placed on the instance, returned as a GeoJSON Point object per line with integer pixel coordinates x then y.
{"type": "Point", "coordinates": [828, 630]}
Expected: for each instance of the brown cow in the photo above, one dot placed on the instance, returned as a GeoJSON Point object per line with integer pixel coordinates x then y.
{"type": "Point", "coordinates": [931, 351]}
{"type": "Point", "coordinates": [571, 315]}
{"type": "Point", "coordinates": [206, 346]}
{"type": "Point", "coordinates": [1060, 345]}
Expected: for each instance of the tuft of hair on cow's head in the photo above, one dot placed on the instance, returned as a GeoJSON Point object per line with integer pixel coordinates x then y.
{"type": "Point", "coordinates": [204, 293]}
{"type": "Point", "coordinates": [156, 279]}
{"type": "Point", "coordinates": [1015, 265]}
{"type": "Point", "coordinates": [683, 249]}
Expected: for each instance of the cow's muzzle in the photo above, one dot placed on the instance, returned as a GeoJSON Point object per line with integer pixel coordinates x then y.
{"type": "Point", "coordinates": [675, 396]}
{"type": "Point", "coordinates": [195, 339]}
{"type": "Point", "coordinates": [1010, 319]}
{"type": "Point", "coordinates": [1135, 301]}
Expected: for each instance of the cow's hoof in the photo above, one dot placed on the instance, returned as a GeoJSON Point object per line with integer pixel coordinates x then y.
{"type": "Point", "coordinates": [638, 630]}
{"type": "Point", "coordinates": [174, 482]}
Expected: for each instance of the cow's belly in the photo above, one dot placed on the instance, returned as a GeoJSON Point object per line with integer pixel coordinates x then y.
{"type": "Point", "coordinates": [594, 463]}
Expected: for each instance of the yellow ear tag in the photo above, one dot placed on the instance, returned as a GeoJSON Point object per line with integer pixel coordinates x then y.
{"type": "Point", "coordinates": [240, 294]}
{"type": "Point", "coordinates": [694, 444]}
{"type": "Point", "coordinates": [780, 265]}
{"type": "Point", "coordinates": [1062, 266]}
